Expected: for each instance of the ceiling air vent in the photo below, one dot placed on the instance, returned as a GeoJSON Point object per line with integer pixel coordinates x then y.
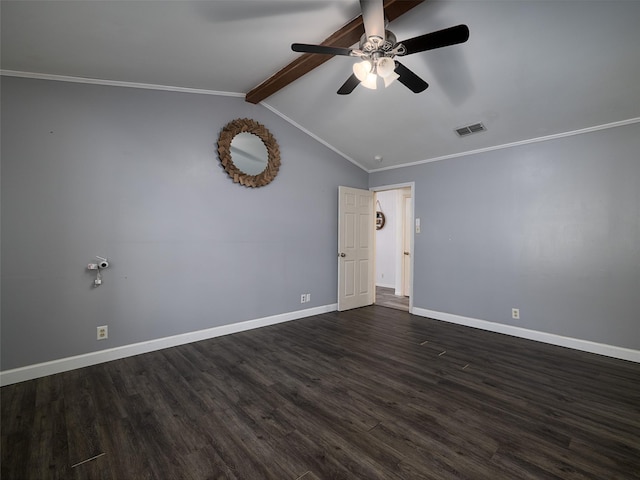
{"type": "Point", "coordinates": [469, 129]}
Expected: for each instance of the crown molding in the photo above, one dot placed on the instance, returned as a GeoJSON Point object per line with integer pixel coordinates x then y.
{"type": "Point", "coordinates": [315, 137]}
{"type": "Point", "coordinates": [546, 138]}
{"type": "Point", "coordinates": [116, 83]}
{"type": "Point", "coordinates": [168, 88]}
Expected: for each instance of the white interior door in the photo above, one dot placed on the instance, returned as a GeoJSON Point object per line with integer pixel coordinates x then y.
{"type": "Point", "coordinates": [406, 263]}
{"type": "Point", "coordinates": [355, 248]}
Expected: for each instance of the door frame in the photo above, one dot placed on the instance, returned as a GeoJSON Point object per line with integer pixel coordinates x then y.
{"type": "Point", "coordinates": [407, 231]}
{"type": "Point", "coordinates": [397, 186]}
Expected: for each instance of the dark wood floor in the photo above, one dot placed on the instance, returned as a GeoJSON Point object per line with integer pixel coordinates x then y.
{"type": "Point", "coordinates": [372, 393]}
{"type": "Point", "coordinates": [386, 297]}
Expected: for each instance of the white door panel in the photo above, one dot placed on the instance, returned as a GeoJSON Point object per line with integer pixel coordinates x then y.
{"type": "Point", "coordinates": [355, 248]}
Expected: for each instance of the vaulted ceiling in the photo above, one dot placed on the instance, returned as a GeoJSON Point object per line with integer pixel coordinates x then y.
{"type": "Point", "coordinates": [531, 68]}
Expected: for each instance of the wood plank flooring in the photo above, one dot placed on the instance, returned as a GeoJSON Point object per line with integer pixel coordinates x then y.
{"type": "Point", "coordinates": [372, 393]}
{"type": "Point", "coordinates": [386, 297]}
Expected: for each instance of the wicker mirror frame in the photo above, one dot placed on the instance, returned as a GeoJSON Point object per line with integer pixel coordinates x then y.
{"type": "Point", "coordinates": [240, 125]}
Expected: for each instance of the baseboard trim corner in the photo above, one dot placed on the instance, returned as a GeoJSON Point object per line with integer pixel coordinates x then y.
{"type": "Point", "coordinates": [38, 370]}
{"type": "Point", "coordinates": [550, 338]}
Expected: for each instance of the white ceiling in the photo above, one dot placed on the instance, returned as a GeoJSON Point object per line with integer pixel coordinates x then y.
{"type": "Point", "coordinates": [531, 68]}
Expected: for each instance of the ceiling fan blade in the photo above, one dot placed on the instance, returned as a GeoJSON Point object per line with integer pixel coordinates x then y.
{"type": "Point", "coordinates": [348, 86]}
{"type": "Point", "coordinates": [305, 48]}
{"type": "Point", "coordinates": [373, 17]}
{"type": "Point", "coordinates": [441, 38]}
{"type": "Point", "coordinates": [409, 79]}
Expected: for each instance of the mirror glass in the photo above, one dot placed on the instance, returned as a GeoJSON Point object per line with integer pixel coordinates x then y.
{"type": "Point", "coordinates": [249, 153]}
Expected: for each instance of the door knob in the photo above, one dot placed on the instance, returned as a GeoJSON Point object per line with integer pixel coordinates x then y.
{"type": "Point", "coordinates": [342, 254]}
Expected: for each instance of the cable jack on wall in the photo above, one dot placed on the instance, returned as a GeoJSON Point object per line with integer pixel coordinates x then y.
{"type": "Point", "coordinates": [101, 265]}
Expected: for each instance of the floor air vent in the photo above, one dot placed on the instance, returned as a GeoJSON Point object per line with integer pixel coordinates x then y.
{"type": "Point", "coordinates": [469, 129]}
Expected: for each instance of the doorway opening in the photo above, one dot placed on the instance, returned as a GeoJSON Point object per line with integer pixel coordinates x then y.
{"type": "Point", "coordinates": [394, 246]}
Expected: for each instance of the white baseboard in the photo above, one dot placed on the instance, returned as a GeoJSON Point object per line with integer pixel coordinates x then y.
{"type": "Point", "coordinates": [385, 285]}
{"type": "Point", "coordinates": [38, 370]}
{"type": "Point", "coordinates": [575, 343]}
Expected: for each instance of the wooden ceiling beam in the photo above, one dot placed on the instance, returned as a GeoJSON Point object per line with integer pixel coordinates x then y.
{"type": "Point", "coordinates": [345, 37]}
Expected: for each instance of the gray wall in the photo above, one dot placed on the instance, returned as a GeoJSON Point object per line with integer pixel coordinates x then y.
{"type": "Point", "coordinates": [552, 228]}
{"type": "Point", "coordinates": [133, 175]}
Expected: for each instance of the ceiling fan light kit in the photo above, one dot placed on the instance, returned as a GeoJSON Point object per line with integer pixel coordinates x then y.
{"type": "Point", "coordinates": [378, 47]}
{"type": "Point", "coordinates": [367, 72]}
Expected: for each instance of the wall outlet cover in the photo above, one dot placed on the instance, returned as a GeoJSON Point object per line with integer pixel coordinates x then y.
{"type": "Point", "coordinates": [103, 332]}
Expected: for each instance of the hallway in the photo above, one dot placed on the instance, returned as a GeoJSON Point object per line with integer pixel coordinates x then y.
{"type": "Point", "coordinates": [386, 297]}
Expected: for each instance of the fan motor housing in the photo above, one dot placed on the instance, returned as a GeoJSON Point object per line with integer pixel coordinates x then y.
{"type": "Point", "coordinates": [377, 44]}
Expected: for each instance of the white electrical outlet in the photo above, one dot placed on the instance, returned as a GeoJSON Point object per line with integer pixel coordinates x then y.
{"type": "Point", "coordinates": [303, 298]}
{"type": "Point", "coordinates": [97, 282]}
{"type": "Point", "coordinates": [103, 332]}
{"type": "Point", "coordinates": [515, 313]}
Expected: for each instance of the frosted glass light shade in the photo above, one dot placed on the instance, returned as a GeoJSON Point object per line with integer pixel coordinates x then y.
{"type": "Point", "coordinates": [389, 79]}
{"type": "Point", "coordinates": [371, 81]}
{"type": "Point", "coordinates": [362, 69]}
{"type": "Point", "coordinates": [385, 67]}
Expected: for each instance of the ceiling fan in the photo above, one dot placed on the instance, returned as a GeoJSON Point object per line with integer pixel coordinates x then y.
{"type": "Point", "coordinates": [378, 48]}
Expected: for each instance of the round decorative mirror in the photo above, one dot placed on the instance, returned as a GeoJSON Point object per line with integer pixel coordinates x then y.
{"type": "Point", "coordinates": [380, 218]}
{"type": "Point", "coordinates": [248, 152]}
